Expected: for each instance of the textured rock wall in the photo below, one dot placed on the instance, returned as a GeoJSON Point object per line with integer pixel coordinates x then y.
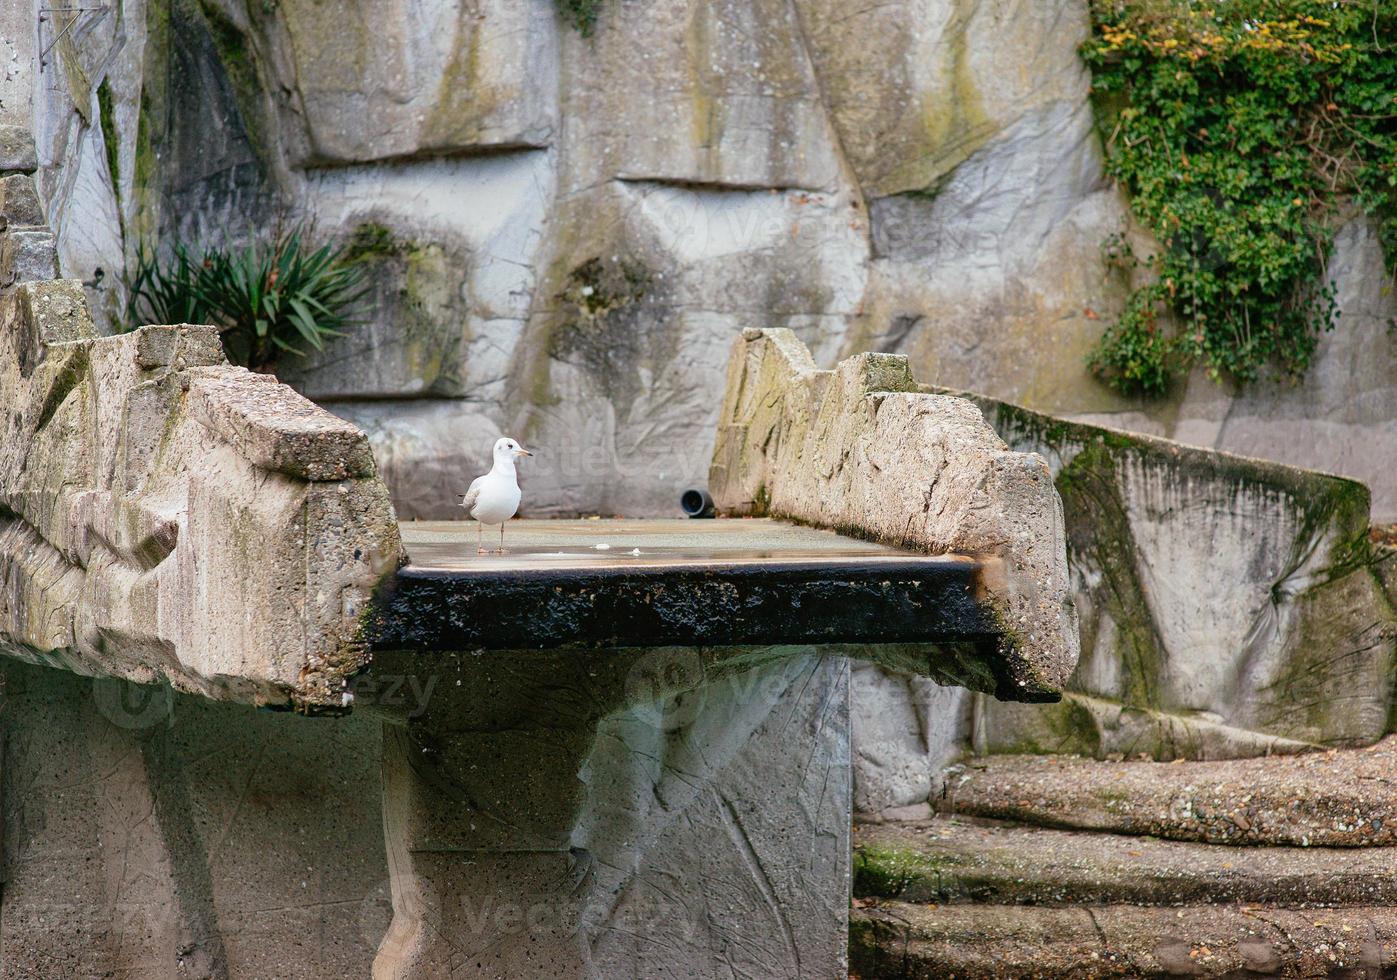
{"type": "Point", "coordinates": [628, 813]}
{"type": "Point", "coordinates": [1236, 601]}
{"type": "Point", "coordinates": [567, 232]}
{"type": "Point", "coordinates": [1228, 607]}
{"type": "Point", "coordinates": [158, 835]}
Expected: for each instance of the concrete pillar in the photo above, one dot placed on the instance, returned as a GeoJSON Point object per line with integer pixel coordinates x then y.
{"type": "Point", "coordinates": [615, 814]}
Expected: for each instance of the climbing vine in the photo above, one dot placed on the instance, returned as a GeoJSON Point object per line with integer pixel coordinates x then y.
{"type": "Point", "coordinates": [1242, 131]}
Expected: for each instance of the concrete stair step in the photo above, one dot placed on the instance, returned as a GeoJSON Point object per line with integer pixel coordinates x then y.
{"type": "Point", "coordinates": [1339, 798]}
{"type": "Point", "coordinates": [959, 860]}
{"type": "Point", "coordinates": [17, 151]}
{"type": "Point", "coordinates": [902, 941]}
{"type": "Point", "coordinates": [27, 255]}
{"type": "Point", "coordinates": [19, 203]}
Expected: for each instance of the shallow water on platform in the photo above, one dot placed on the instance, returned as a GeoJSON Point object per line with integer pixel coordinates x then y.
{"type": "Point", "coordinates": [451, 545]}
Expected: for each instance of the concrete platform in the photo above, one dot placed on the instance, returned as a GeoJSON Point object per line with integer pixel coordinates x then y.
{"type": "Point", "coordinates": [648, 545]}
{"type": "Point", "coordinates": [625, 583]}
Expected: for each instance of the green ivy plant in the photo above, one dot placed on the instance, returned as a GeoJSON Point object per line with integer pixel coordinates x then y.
{"type": "Point", "coordinates": [268, 298]}
{"type": "Point", "coordinates": [1241, 130]}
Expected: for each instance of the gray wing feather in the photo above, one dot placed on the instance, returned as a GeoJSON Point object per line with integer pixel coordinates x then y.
{"type": "Point", "coordinates": [469, 498]}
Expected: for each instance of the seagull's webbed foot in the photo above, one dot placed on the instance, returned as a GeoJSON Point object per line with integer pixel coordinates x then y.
{"type": "Point", "coordinates": [500, 551]}
{"type": "Point", "coordinates": [482, 551]}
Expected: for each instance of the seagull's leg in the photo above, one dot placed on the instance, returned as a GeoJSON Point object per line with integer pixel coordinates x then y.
{"type": "Point", "coordinates": [501, 551]}
{"type": "Point", "coordinates": [479, 543]}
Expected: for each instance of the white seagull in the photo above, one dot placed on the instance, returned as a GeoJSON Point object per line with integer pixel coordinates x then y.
{"type": "Point", "coordinates": [494, 497]}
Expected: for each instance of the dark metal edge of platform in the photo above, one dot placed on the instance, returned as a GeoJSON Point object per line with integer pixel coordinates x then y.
{"type": "Point", "coordinates": [725, 605]}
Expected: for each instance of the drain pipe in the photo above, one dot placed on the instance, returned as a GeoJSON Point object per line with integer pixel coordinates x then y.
{"type": "Point", "coordinates": [695, 502]}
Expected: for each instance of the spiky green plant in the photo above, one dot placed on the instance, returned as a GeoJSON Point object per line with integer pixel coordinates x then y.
{"type": "Point", "coordinates": [279, 296]}
{"type": "Point", "coordinates": [163, 292]}
{"type": "Point", "coordinates": [268, 298]}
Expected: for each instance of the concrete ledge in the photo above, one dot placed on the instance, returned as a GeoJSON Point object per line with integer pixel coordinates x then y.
{"type": "Point", "coordinates": [164, 515]}
{"type": "Point", "coordinates": [17, 150]}
{"type": "Point", "coordinates": [277, 429]}
{"type": "Point", "coordinates": [863, 451]}
{"type": "Point", "coordinates": [19, 202]}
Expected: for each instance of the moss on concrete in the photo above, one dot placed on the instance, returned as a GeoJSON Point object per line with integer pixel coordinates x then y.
{"type": "Point", "coordinates": [465, 97]}
{"type": "Point", "coordinates": [887, 872]}
{"type": "Point", "coordinates": [581, 14]}
{"type": "Point", "coordinates": [1099, 537]}
{"type": "Point", "coordinates": [1339, 624]}
{"type": "Point", "coordinates": [371, 240]}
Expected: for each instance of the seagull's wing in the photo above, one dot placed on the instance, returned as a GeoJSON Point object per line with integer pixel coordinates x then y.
{"type": "Point", "coordinates": [469, 498]}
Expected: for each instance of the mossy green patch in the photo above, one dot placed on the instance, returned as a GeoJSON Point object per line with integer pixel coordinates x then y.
{"type": "Point", "coordinates": [371, 240]}
{"type": "Point", "coordinates": [610, 322]}
{"type": "Point", "coordinates": [953, 123]}
{"type": "Point", "coordinates": [761, 502]}
{"type": "Point", "coordinates": [1099, 536]}
{"type": "Point", "coordinates": [465, 98]}
{"type": "Point", "coordinates": [889, 872]}
{"type": "Point", "coordinates": [106, 113]}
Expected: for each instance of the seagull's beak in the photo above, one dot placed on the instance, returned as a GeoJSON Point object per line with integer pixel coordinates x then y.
{"type": "Point", "coordinates": [521, 451]}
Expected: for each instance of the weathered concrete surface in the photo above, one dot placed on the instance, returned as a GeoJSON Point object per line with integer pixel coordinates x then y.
{"type": "Point", "coordinates": [1276, 866]}
{"type": "Point", "coordinates": [164, 516]}
{"type": "Point", "coordinates": [521, 814]}
{"type": "Point", "coordinates": [896, 941]}
{"type": "Point", "coordinates": [1229, 608]}
{"type": "Point", "coordinates": [364, 86]}
{"type": "Point", "coordinates": [905, 730]}
{"type": "Point", "coordinates": [1103, 728]}
{"type": "Point", "coordinates": [1214, 589]}
{"type": "Point", "coordinates": [956, 860]}
{"type": "Point", "coordinates": [1338, 798]}
{"type": "Point", "coordinates": [627, 813]}
{"type": "Point", "coordinates": [861, 450]}
{"type": "Point", "coordinates": [155, 835]}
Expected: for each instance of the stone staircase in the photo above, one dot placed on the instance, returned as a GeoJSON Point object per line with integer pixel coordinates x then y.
{"type": "Point", "coordinates": [27, 247]}
{"type": "Point", "coordinates": [1063, 867]}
